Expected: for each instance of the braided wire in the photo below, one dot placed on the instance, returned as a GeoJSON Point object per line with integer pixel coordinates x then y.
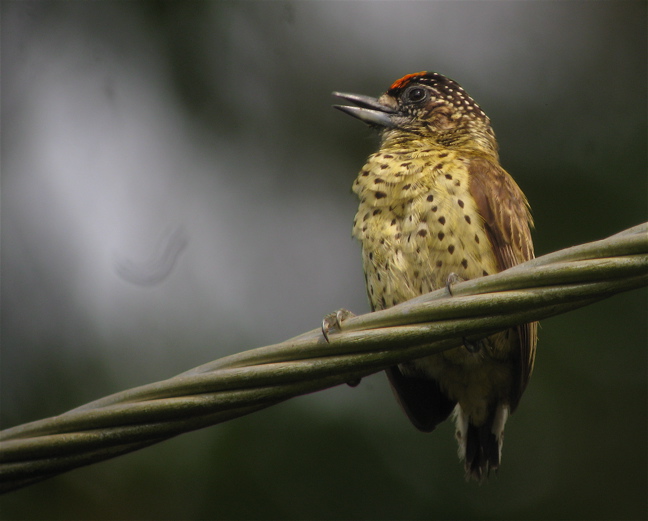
{"type": "Point", "coordinates": [252, 380]}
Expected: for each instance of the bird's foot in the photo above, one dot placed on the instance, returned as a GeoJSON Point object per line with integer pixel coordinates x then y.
{"type": "Point", "coordinates": [473, 346]}
{"type": "Point", "coordinates": [452, 279]}
{"type": "Point", "coordinates": [333, 322]}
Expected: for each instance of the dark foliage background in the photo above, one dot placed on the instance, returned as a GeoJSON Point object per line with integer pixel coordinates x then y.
{"type": "Point", "coordinates": [127, 123]}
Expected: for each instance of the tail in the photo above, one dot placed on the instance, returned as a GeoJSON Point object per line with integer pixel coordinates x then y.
{"type": "Point", "coordinates": [480, 447]}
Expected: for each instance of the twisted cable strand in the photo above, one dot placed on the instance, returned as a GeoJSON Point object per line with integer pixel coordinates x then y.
{"type": "Point", "coordinates": [252, 380]}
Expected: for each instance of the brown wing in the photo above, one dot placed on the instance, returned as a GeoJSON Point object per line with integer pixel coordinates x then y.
{"type": "Point", "coordinates": [508, 222]}
{"type": "Point", "coordinates": [422, 399]}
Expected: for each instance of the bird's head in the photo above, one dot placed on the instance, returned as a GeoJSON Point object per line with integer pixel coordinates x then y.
{"type": "Point", "coordinates": [425, 106]}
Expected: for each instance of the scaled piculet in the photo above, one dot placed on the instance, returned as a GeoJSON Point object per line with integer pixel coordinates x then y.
{"type": "Point", "coordinates": [435, 203]}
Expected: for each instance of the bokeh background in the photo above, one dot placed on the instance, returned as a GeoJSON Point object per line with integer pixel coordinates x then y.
{"type": "Point", "coordinates": [176, 188]}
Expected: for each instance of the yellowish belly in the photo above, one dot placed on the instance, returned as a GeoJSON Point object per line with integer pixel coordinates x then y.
{"type": "Point", "coordinates": [418, 223]}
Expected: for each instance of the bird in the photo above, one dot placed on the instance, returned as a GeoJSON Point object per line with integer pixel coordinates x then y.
{"type": "Point", "coordinates": [436, 206]}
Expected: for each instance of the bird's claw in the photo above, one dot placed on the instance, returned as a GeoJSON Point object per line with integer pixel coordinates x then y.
{"type": "Point", "coordinates": [452, 279]}
{"type": "Point", "coordinates": [333, 322]}
{"type": "Point", "coordinates": [473, 347]}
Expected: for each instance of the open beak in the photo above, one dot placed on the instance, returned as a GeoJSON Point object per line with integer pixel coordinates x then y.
{"type": "Point", "coordinates": [368, 110]}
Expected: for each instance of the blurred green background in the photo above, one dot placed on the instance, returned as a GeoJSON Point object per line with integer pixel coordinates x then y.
{"type": "Point", "coordinates": [124, 121]}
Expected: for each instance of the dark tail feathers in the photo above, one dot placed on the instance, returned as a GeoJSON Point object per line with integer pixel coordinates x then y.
{"type": "Point", "coordinates": [481, 446]}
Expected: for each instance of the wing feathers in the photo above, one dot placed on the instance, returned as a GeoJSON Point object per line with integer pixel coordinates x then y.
{"type": "Point", "coordinates": [508, 222]}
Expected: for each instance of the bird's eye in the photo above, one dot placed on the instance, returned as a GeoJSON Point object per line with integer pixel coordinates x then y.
{"type": "Point", "coordinates": [415, 94]}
